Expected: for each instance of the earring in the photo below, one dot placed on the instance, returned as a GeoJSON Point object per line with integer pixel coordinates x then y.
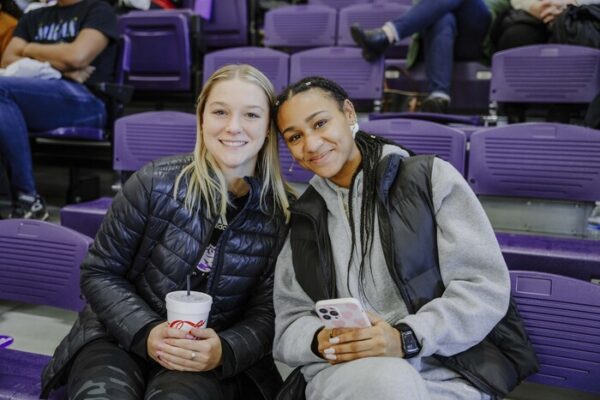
{"type": "Point", "coordinates": [291, 168]}
{"type": "Point", "coordinates": [354, 128]}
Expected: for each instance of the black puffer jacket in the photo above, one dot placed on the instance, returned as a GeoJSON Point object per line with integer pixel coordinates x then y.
{"type": "Point", "coordinates": [146, 246]}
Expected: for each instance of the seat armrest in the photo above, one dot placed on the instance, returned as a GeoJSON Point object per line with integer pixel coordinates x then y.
{"type": "Point", "coordinates": [114, 92]}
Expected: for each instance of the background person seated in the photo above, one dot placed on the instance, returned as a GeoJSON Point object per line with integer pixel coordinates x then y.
{"type": "Point", "coordinates": [450, 30]}
{"type": "Point", "coordinates": [531, 21]}
{"type": "Point", "coordinates": [76, 37]}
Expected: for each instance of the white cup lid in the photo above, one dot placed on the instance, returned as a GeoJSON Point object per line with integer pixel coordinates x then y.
{"type": "Point", "coordinates": [196, 302]}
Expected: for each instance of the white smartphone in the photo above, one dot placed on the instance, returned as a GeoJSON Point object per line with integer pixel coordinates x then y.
{"type": "Point", "coordinates": [342, 313]}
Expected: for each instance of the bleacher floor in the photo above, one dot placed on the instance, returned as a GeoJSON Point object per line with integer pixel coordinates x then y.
{"type": "Point", "coordinates": [39, 329]}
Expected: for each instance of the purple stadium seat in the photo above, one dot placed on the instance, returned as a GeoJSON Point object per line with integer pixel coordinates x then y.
{"type": "Point", "coordinates": [20, 373]}
{"type": "Point", "coordinates": [542, 160]}
{"type": "Point", "coordinates": [422, 137]}
{"type": "Point", "coordinates": [228, 25]}
{"type": "Point", "coordinates": [368, 16]}
{"type": "Point", "coordinates": [159, 56]}
{"type": "Point", "coordinates": [546, 74]}
{"type": "Point", "coordinates": [139, 139]}
{"type": "Point", "coordinates": [202, 8]}
{"type": "Point", "coordinates": [39, 263]}
{"type": "Point", "coordinates": [143, 137]}
{"type": "Point", "coordinates": [576, 258]}
{"type": "Point", "coordinates": [273, 63]}
{"type": "Point", "coordinates": [470, 83]}
{"type": "Point", "coordinates": [290, 169]}
{"type": "Point", "coordinates": [338, 3]}
{"type": "Point", "coordinates": [562, 319]}
{"type": "Point", "coordinates": [344, 65]}
{"type": "Point", "coordinates": [465, 123]}
{"type": "Point", "coordinates": [300, 26]}
{"type": "Point", "coordinates": [85, 217]}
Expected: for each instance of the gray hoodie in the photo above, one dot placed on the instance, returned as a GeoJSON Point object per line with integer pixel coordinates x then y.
{"type": "Point", "coordinates": [471, 265]}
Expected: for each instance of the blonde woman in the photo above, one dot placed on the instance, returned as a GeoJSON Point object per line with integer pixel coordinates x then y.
{"type": "Point", "coordinates": [218, 215]}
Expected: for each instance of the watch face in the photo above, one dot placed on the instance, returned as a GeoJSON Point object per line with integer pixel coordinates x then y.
{"type": "Point", "coordinates": [410, 346]}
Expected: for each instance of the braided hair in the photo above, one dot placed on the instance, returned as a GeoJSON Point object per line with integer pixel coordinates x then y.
{"type": "Point", "coordinates": [370, 148]}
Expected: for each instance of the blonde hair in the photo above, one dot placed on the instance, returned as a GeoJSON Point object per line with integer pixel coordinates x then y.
{"type": "Point", "coordinates": [206, 182]}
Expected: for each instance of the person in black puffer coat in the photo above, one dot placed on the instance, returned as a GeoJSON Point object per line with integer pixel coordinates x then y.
{"type": "Point", "coordinates": [218, 215]}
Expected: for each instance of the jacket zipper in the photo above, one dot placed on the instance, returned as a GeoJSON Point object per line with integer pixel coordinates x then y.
{"type": "Point", "coordinates": [203, 247]}
{"type": "Point", "coordinates": [219, 254]}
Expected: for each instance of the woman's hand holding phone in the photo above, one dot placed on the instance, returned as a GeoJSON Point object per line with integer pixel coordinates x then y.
{"type": "Point", "coordinates": [338, 345]}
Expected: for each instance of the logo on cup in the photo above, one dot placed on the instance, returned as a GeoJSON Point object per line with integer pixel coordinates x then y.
{"type": "Point", "coordinates": [179, 324]}
{"type": "Point", "coordinates": [5, 341]}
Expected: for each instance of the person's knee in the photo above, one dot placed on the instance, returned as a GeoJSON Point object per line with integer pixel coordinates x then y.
{"type": "Point", "coordinates": [174, 385]}
{"type": "Point", "coordinates": [102, 369]}
{"type": "Point", "coordinates": [385, 378]}
{"type": "Point", "coordinates": [448, 4]}
{"type": "Point", "coordinates": [445, 25]}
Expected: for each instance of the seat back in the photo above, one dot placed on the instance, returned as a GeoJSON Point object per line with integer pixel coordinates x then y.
{"type": "Point", "coordinates": [228, 25]}
{"type": "Point", "coordinates": [547, 160]}
{"type": "Point", "coordinates": [202, 8]}
{"type": "Point", "coordinates": [338, 3]}
{"type": "Point", "coordinates": [344, 65]}
{"type": "Point", "coordinates": [567, 256]}
{"type": "Point", "coordinates": [273, 63]}
{"type": "Point", "coordinates": [547, 73]}
{"type": "Point", "coordinates": [39, 263]}
{"type": "Point", "coordinates": [143, 137]}
{"type": "Point", "coordinates": [423, 137]}
{"type": "Point", "coordinates": [300, 26]}
{"type": "Point", "coordinates": [536, 177]}
{"type": "Point", "coordinates": [159, 54]}
{"type": "Point", "coordinates": [368, 16]}
{"type": "Point", "coordinates": [562, 319]}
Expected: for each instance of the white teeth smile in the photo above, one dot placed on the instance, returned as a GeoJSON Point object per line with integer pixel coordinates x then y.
{"type": "Point", "coordinates": [233, 143]}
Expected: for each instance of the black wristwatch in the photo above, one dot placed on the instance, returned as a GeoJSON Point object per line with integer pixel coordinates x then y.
{"type": "Point", "coordinates": [410, 344]}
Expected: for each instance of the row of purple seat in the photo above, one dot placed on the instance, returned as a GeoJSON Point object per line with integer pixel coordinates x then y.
{"type": "Point", "coordinates": [39, 263]}
{"type": "Point", "coordinates": [298, 26]}
{"type": "Point", "coordinates": [553, 162]}
{"type": "Point", "coordinates": [559, 74]}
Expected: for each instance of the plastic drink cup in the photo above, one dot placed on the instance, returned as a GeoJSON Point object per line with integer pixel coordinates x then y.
{"type": "Point", "coordinates": [188, 311]}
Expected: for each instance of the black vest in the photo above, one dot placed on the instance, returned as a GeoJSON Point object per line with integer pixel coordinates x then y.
{"type": "Point", "coordinates": [408, 234]}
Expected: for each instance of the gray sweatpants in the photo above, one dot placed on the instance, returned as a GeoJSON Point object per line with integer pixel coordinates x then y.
{"type": "Point", "coordinates": [385, 378]}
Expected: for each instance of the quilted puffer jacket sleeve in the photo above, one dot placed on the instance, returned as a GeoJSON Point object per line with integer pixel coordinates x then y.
{"type": "Point", "coordinates": [251, 338]}
{"type": "Point", "coordinates": [111, 295]}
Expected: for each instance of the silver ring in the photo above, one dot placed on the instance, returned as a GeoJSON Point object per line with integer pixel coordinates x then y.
{"type": "Point", "coordinates": [193, 356]}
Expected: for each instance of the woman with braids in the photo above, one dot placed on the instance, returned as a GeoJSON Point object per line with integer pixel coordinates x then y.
{"type": "Point", "coordinates": [405, 236]}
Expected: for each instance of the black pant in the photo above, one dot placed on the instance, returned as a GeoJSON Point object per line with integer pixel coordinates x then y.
{"type": "Point", "coordinates": [104, 371]}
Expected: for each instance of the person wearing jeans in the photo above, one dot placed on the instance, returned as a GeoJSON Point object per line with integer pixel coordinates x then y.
{"type": "Point", "coordinates": [450, 30]}
{"type": "Point", "coordinates": [78, 38]}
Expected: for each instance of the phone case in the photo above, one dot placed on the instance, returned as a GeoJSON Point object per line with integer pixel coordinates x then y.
{"type": "Point", "coordinates": [342, 313]}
